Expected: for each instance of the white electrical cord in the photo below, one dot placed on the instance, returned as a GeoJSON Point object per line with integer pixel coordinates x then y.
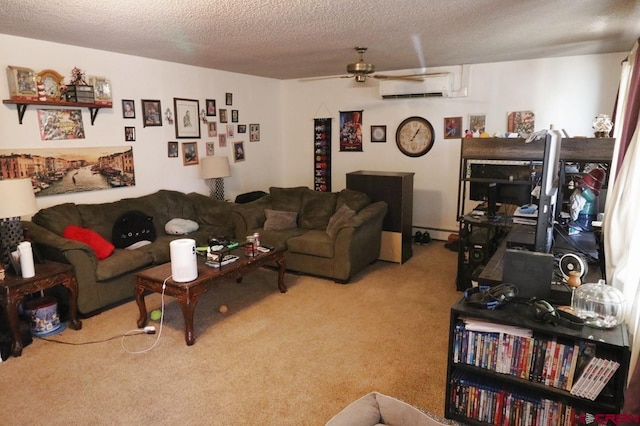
{"type": "Point", "coordinates": [148, 328]}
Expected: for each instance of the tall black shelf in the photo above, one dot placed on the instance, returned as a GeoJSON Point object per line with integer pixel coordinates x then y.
{"type": "Point", "coordinates": [610, 344]}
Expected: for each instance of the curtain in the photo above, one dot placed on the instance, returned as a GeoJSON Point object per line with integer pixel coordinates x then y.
{"type": "Point", "coordinates": [621, 225]}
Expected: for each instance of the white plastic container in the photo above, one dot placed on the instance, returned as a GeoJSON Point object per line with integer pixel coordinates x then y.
{"type": "Point", "coordinates": [184, 264]}
{"type": "Point", "coordinates": [26, 259]}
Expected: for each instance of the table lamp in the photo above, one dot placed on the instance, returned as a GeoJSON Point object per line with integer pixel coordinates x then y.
{"type": "Point", "coordinates": [213, 169]}
{"type": "Point", "coordinates": [17, 199]}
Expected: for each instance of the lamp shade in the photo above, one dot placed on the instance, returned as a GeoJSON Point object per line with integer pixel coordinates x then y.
{"type": "Point", "coordinates": [214, 167]}
{"type": "Point", "coordinates": [16, 198]}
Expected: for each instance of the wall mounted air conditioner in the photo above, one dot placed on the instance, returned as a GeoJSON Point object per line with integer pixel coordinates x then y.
{"type": "Point", "coordinates": [449, 82]}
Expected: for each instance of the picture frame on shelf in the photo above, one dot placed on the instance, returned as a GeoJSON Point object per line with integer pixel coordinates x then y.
{"type": "Point", "coordinates": [22, 84]}
{"type": "Point", "coordinates": [189, 153]}
{"type": "Point", "coordinates": [14, 258]}
{"type": "Point", "coordinates": [129, 134]}
{"type": "Point", "coordinates": [101, 90]}
{"type": "Point", "coordinates": [228, 98]}
{"type": "Point", "coordinates": [453, 127]}
{"type": "Point", "coordinates": [172, 149]}
{"type": "Point", "coordinates": [210, 148]}
{"type": "Point", "coordinates": [223, 116]}
{"type": "Point", "coordinates": [151, 113]}
{"type": "Point", "coordinates": [234, 115]}
{"type": "Point", "coordinates": [128, 108]}
{"type": "Point", "coordinates": [379, 133]}
{"type": "Point", "coordinates": [254, 132]}
{"type": "Point", "coordinates": [477, 123]}
{"type": "Point", "coordinates": [210, 105]}
{"type": "Point", "coordinates": [242, 128]}
{"type": "Point", "coordinates": [238, 151]}
{"type": "Point", "coordinates": [187, 119]}
{"type": "Point", "coordinates": [212, 129]}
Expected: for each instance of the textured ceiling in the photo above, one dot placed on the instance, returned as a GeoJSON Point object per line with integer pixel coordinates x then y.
{"type": "Point", "coordinates": [287, 39]}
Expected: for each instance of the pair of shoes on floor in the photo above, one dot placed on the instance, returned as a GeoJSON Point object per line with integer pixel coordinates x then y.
{"type": "Point", "coordinates": [422, 238]}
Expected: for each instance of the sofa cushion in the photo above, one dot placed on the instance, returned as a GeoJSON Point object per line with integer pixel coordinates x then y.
{"type": "Point", "coordinates": [278, 220]}
{"type": "Point", "coordinates": [208, 211]}
{"type": "Point", "coordinates": [99, 245]}
{"type": "Point", "coordinates": [57, 218]}
{"type": "Point", "coordinates": [288, 199]}
{"type": "Point", "coordinates": [343, 214]}
{"type": "Point", "coordinates": [356, 200]}
{"type": "Point", "coordinates": [313, 242]}
{"type": "Point", "coordinates": [131, 227]}
{"type": "Point", "coordinates": [317, 208]}
{"type": "Point", "coordinates": [121, 262]}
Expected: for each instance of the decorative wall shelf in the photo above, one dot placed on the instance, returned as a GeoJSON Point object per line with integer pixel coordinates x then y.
{"type": "Point", "coordinates": [22, 106]}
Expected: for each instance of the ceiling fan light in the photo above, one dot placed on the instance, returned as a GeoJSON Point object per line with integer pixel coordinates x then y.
{"type": "Point", "coordinates": [360, 78]}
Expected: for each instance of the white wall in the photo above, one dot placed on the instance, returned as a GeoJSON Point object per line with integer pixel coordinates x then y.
{"type": "Point", "coordinates": [567, 92]}
{"type": "Point", "coordinates": [257, 99]}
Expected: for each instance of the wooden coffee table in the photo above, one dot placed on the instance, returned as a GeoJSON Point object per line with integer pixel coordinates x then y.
{"type": "Point", "coordinates": [187, 294]}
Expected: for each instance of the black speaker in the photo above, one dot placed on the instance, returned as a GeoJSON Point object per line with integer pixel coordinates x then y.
{"type": "Point", "coordinates": [476, 248]}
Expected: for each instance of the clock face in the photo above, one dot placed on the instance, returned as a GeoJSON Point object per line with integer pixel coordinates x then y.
{"type": "Point", "coordinates": [415, 136]}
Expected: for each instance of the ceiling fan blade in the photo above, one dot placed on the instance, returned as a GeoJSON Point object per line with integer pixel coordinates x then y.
{"type": "Point", "coordinates": [325, 78]}
{"type": "Point", "coordinates": [410, 77]}
{"type": "Point", "coordinates": [399, 77]}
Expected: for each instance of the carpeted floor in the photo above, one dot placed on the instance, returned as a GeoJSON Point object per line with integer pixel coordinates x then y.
{"type": "Point", "coordinates": [272, 359]}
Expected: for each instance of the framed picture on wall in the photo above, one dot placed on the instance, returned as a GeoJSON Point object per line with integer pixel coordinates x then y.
{"type": "Point", "coordinates": [172, 149]}
{"type": "Point", "coordinates": [151, 115]}
{"type": "Point", "coordinates": [222, 140]}
{"type": "Point", "coordinates": [223, 116]}
{"type": "Point", "coordinates": [187, 118]}
{"type": "Point", "coordinates": [211, 107]}
{"type": "Point", "coordinates": [452, 127]}
{"type": "Point", "coordinates": [212, 129]}
{"type": "Point", "coordinates": [242, 128]}
{"type": "Point", "coordinates": [211, 148]}
{"type": "Point", "coordinates": [189, 153]}
{"type": "Point", "coordinates": [378, 133]}
{"type": "Point", "coordinates": [228, 99]}
{"type": "Point", "coordinates": [254, 132]}
{"type": "Point", "coordinates": [128, 108]}
{"type": "Point", "coordinates": [238, 151]}
{"type": "Point", "coordinates": [130, 134]}
{"type": "Point", "coordinates": [234, 115]}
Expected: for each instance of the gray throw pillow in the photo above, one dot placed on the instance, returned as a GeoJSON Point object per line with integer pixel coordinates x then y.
{"type": "Point", "coordinates": [343, 214]}
{"type": "Point", "coordinates": [278, 220]}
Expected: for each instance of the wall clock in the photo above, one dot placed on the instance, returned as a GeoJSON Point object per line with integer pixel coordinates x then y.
{"type": "Point", "coordinates": [52, 82]}
{"type": "Point", "coordinates": [415, 136]}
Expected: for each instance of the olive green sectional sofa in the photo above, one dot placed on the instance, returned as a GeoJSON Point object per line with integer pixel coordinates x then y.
{"type": "Point", "coordinates": [354, 243]}
{"type": "Point", "coordinates": [319, 240]}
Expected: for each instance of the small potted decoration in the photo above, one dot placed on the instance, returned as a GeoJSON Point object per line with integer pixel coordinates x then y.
{"type": "Point", "coordinates": [602, 125]}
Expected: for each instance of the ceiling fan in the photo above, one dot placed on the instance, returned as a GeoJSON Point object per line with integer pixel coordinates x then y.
{"type": "Point", "coordinates": [361, 70]}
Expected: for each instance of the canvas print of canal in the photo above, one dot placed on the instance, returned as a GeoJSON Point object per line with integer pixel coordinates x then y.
{"type": "Point", "coordinates": [64, 170]}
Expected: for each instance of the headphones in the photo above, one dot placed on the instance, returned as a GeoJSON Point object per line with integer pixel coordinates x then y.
{"type": "Point", "coordinates": [543, 311]}
{"type": "Point", "coordinates": [487, 297]}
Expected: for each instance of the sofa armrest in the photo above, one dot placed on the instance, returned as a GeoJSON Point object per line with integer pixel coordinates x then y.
{"type": "Point", "coordinates": [357, 242]}
{"type": "Point", "coordinates": [56, 247]}
{"type": "Point", "coordinates": [374, 212]}
{"type": "Point", "coordinates": [250, 215]}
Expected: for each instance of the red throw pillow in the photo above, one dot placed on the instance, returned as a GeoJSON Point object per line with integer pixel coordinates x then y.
{"type": "Point", "coordinates": [100, 246]}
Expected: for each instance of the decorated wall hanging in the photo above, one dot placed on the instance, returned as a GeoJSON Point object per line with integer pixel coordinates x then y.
{"type": "Point", "coordinates": [351, 130]}
{"type": "Point", "coordinates": [322, 154]}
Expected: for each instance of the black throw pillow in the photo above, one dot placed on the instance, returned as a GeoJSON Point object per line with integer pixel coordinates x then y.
{"type": "Point", "coordinates": [131, 227]}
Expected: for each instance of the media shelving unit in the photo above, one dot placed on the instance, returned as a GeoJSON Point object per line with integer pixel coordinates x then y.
{"type": "Point", "coordinates": [472, 254]}
{"type": "Point", "coordinates": [610, 344]}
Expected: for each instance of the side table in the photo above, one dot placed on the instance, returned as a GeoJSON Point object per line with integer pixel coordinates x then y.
{"type": "Point", "coordinates": [48, 274]}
